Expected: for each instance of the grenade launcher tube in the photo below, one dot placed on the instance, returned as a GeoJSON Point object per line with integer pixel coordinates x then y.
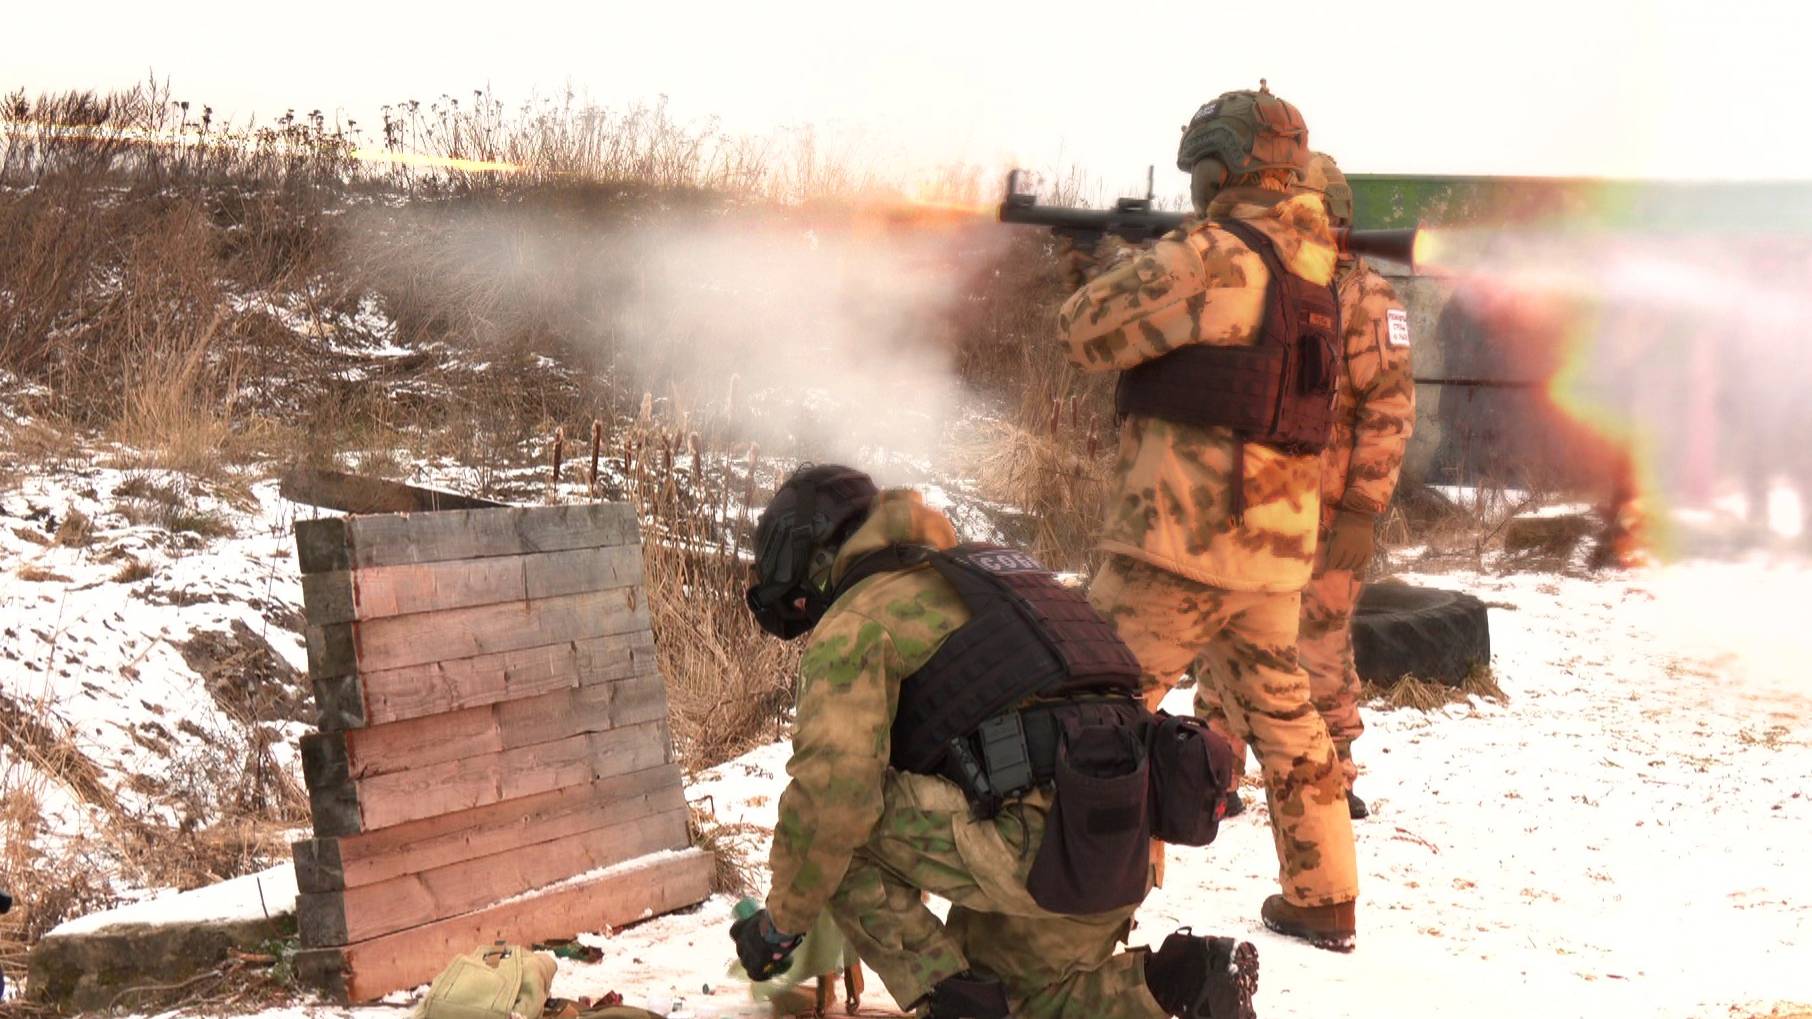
{"type": "Point", "coordinates": [1134, 220]}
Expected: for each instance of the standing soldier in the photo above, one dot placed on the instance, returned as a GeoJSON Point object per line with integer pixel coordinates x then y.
{"type": "Point", "coordinates": [1374, 412]}
{"type": "Point", "coordinates": [946, 695]}
{"type": "Point", "coordinates": [1225, 334]}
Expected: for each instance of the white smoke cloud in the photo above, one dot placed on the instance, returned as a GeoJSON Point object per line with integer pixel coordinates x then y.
{"type": "Point", "coordinates": [825, 335]}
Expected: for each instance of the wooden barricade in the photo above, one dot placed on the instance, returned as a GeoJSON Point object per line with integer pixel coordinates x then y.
{"type": "Point", "coordinates": [493, 759]}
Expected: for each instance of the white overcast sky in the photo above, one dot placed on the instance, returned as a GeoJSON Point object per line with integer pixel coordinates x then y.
{"type": "Point", "coordinates": [1644, 88]}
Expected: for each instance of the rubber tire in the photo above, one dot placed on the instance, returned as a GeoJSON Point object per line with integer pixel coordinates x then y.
{"type": "Point", "coordinates": [1426, 632]}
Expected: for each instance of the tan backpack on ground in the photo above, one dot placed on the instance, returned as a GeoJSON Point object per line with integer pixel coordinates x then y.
{"type": "Point", "coordinates": [499, 982]}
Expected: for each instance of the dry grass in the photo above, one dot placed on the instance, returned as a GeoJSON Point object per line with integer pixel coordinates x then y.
{"type": "Point", "coordinates": [169, 505]}
{"type": "Point", "coordinates": [729, 683]}
{"type": "Point", "coordinates": [49, 887]}
{"type": "Point", "coordinates": [201, 301]}
{"type": "Point", "coordinates": [232, 804]}
{"type": "Point", "coordinates": [75, 530]}
{"type": "Point", "coordinates": [1050, 453]}
{"type": "Point", "coordinates": [1425, 695]}
{"type": "Point", "coordinates": [133, 570]}
{"type": "Point", "coordinates": [33, 574]}
{"type": "Point", "coordinates": [733, 846]}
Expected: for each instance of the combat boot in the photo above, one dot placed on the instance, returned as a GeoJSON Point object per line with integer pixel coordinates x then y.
{"type": "Point", "coordinates": [968, 995]}
{"type": "Point", "coordinates": [1355, 807]}
{"type": "Point", "coordinates": [1232, 805]}
{"type": "Point", "coordinates": [1203, 978]}
{"type": "Point", "coordinates": [1330, 927]}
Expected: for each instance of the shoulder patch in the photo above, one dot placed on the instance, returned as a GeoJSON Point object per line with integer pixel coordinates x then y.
{"type": "Point", "coordinates": [1399, 327]}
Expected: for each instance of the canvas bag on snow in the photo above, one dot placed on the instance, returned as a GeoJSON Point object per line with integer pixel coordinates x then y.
{"type": "Point", "coordinates": [491, 983]}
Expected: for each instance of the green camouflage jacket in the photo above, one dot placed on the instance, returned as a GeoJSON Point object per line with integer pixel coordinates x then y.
{"type": "Point", "coordinates": [880, 631]}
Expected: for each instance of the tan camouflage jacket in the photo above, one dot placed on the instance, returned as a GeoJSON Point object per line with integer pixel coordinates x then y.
{"type": "Point", "coordinates": [1172, 507]}
{"type": "Point", "coordinates": [1375, 404]}
{"type": "Point", "coordinates": [879, 632]}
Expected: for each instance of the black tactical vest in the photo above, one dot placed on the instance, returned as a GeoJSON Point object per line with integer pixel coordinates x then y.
{"type": "Point", "coordinates": [1028, 635]}
{"type": "Point", "coordinates": [1278, 392]}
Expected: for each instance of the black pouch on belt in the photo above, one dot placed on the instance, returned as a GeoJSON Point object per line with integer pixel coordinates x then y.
{"type": "Point", "coordinates": [1096, 853]}
{"type": "Point", "coordinates": [1190, 770]}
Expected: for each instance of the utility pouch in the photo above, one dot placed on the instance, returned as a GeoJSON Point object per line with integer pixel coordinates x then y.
{"type": "Point", "coordinates": [1190, 770]}
{"type": "Point", "coordinates": [499, 982]}
{"type": "Point", "coordinates": [1005, 754]}
{"type": "Point", "coordinates": [966, 770]}
{"type": "Point", "coordinates": [1096, 853]}
{"type": "Point", "coordinates": [1316, 364]}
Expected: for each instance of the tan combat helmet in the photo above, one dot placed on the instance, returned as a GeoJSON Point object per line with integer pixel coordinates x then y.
{"type": "Point", "coordinates": [1249, 133]}
{"type": "Point", "coordinates": [1324, 178]}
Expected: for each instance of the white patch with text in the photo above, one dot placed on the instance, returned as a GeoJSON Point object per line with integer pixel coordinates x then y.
{"type": "Point", "coordinates": [1399, 327]}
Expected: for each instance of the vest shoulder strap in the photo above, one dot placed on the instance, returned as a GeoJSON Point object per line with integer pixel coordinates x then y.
{"type": "Point", "coordinates": [890, 559]}
{"type": "Point", "coordinates": [1260, 243]}
{"type": "Point", "coordinates": [1266, 249]}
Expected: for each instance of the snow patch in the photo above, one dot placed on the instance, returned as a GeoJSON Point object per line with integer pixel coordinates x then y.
{"type": "Point", "coordinates": [257, 896]}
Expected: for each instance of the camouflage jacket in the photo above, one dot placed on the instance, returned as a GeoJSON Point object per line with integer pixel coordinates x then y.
{"type": "Point", "coordinates": [1172, 504]}
{"type": "Point", "coordinates": [1375, 404]}
{"type": "Point", "coordinates": [879, 632]}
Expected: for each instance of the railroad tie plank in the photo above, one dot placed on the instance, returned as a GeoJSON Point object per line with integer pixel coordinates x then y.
{"type": "Point", "coordinates": [348, 543]}
{"type": "Point", "coordinates": [411, 900]}
{"type": "Point", "coordinates": [337, 649]}
{"type": "Point", "coordinates": [352, 493]}
{"type": "Point", "coordinates": [416, 691]}
{"type": "Point", "coordinates": [651, 885]}
{"type": "Point", "coordinates": [353, 861]}
{"type": "Point", "coordinates": [600, 707]}
{"type": "Point", "coordinates": [476, 781]}
{"type": "Point", "coordinates": [379, 592]}
{"type": "Point", "coordinates": [504, 725]}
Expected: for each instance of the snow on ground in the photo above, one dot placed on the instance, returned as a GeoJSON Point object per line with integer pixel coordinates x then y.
{"type": "Point", "coordinates": [267, 893]}
{"type": "Point", "coordinates": [1625, 835]}
{"type": "Point", "coordinates": [119, 587]}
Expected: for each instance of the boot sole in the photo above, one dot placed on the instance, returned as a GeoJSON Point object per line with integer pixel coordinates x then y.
{"type": "Point", "coordinates": [1245, 978]}
{"type": "Point", "coordinates": [1229, 994]}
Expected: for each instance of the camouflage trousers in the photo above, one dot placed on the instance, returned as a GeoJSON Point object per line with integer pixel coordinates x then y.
{"type": "Point", "coordinates": [1324, 646]}
{"type": "Point", "coordinates": [1248, 639]}
{"type": "Point", "coordinates": [1054, 966]}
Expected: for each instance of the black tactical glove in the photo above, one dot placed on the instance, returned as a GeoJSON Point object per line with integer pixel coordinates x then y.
{"type": "Point", "coordinates": [1076, 262]}
{"type": "Point", "coordinates": [764, 950]}
{"type": "Point", "coordinates": [1082, 262]}
{"type": "Point", "coordinates": [1349, 540]}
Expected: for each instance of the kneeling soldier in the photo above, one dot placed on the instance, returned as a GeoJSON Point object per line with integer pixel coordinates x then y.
{"type": "Point", "coordinates": [967, 727]}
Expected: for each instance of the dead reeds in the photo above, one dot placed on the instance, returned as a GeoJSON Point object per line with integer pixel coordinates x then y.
{"type": "Point", "coordinates": [1427, 695]}
{"type": "Point", "coordinates": [220, 300]}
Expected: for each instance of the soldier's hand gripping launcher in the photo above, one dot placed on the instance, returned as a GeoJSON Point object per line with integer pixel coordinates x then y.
{"type": "Point", "coordinates": [1135, 220]}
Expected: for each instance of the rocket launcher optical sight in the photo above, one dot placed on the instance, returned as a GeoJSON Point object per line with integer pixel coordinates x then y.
{"type": "Point", "coordinates": [1134, 220]}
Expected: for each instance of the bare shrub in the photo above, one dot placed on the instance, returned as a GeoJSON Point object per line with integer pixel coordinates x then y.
{"type": "Point", "coordinates": [75, 530]}
{"type": "Point", "coordinates": [133, 570]}
{"type": "Point", "coordinates": [732, 847]}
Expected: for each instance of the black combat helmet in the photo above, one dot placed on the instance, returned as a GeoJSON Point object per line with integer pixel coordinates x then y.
{"type": "Point", "coordinates": [797, 538]}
